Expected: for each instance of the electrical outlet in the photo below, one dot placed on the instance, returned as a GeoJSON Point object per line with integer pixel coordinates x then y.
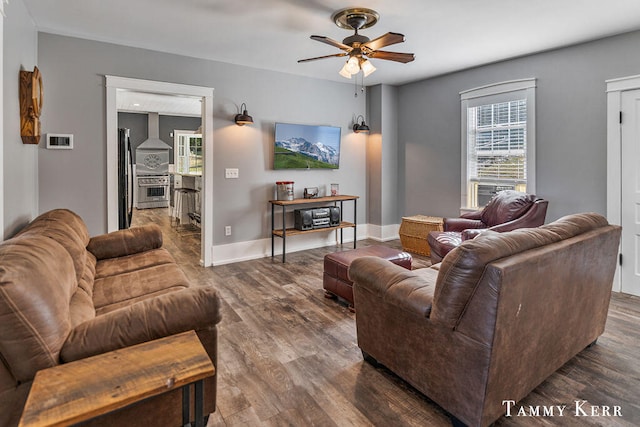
{"type": "Point", "coordinates": [227, 230]}
{"type": "Point", "coordinates": [231, 173]}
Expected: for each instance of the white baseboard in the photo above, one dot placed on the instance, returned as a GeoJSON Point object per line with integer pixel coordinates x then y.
{"type": "Point", "coordinates": [384, 233]}
{"type": "Point", "coordinates": [261, 248]}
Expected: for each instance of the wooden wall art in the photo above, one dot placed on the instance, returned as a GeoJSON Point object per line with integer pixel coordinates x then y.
{"type": "Point", "coordinates": [31, 92]}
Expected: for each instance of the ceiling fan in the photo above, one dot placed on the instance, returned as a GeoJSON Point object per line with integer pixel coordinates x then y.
{"type": "Point", "coordinates": [358, 47]}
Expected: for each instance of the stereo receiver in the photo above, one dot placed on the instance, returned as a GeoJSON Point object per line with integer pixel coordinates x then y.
{"type": "Point", "coordinates": [312, 218]}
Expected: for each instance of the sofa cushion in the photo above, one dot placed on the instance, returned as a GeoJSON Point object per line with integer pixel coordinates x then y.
{"type": "Point", "coordinates": [462, 268]}
{"type": "Point", "coordinates": [126, 242]}
{"type": "Point", "coordinates": [196, 308]}
{"type": "Point", "coordinates": [66, 228]}
{"type": "Point", "coordinates": [506, 206]}
{"type": "Point", "coordinates": [113, 292]}
{"type": "Point", "coordinates": [81, 308]}
{"type": "Point", "coordinates": [126, 264]}
{"type": "Point", "coordinates": [87, 279]}
{"type": "Point", "coordinates": [410, 290]}
{"type": "Point", "coordinates": [37, 281]}
{"type": "Point", "coordinates": [572, 225]}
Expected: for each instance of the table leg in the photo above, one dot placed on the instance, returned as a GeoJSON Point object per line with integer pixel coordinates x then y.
{"type": "Point", "coordinates": [355, 222]}
{"type": "Point", "coordinates": [186, 409]}
{"type": "Point", "coordinates": [284, 235]}
{"type": "Point", "coordinates": [199, 403]}
{"type": "Point", "coordinates": [342, 229]}
{"type": "Point", "coordinates": [272, 227]}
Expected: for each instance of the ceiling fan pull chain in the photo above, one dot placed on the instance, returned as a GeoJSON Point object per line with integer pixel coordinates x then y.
{"type": "Point", "coordinates": [355, 82]}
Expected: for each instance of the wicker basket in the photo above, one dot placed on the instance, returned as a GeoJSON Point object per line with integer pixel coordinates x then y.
{"type": "Point", "coordinates": [414, 231]}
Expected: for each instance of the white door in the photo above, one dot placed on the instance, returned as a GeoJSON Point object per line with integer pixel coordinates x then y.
{"type": "Point", "coordinates": [630, 192]}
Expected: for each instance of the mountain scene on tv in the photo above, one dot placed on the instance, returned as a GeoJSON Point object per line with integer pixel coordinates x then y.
{"type": "Point", "coordinates": [306, 147]}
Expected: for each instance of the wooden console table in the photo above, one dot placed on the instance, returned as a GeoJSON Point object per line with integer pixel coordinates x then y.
{"type": "Point", "coordinates": [78, 391]}
{"type": "Point", "coordinates": [284, 231]}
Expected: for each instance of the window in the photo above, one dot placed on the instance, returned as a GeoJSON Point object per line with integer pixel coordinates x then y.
{"type": "Point", "coordinates": [188, 152]}
{"type": "Point", "coordinates": [498, 141]}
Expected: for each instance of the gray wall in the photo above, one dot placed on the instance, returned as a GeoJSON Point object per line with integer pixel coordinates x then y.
{"type": "Point", "coordinates": [138, 124]}
{"type": "Point", "coordinates": [382, 155]}
{"type": "Point", "coordinates": [169, 123]}
{"type": "Point", "coordinates": [570, 118]}
{"type": "Point", "coordinates": [20, 163]}
{"type": "Point", "coordinates": [77, 178]}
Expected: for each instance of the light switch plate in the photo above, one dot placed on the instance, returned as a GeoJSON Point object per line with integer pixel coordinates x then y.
{"type": "Point", "coordinates": [231, 173]}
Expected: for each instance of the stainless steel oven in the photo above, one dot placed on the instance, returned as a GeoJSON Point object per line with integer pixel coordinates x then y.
{"type": "Point", "coordinates": [153, 191]}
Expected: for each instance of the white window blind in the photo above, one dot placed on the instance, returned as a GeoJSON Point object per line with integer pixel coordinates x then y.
{"type": "Point", "coordinates": [498, 140]}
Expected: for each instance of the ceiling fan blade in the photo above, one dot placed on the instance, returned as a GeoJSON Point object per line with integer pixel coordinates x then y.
{"type": "Point", "coordinates": [323, 57]}
{"type": "Point", "coordinates": [331, 42]}
{"type": "Point", "coordinates": [392, 56]}
{"type": "Point", "coordinates": [384, 40]}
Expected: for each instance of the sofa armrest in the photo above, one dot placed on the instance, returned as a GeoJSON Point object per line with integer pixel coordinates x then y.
{"type": "Point", "coordinates": [188, 309]}
{"type": "Point", "coordinates": [394, 284]}
{"type": "Point", "coordinates": [460, 224]}
{"type": "Point", "coordinates": [126, 242]}
{"type": "Point", "coordinates": [473, 214]}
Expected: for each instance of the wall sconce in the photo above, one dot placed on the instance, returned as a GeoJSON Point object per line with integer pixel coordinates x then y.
{"type": "Point", "coordinates": [360, 127]}
{"type": "Point", "coordinates": [244, 118]}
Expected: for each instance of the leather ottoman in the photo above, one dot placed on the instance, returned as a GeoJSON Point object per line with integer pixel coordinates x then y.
{"type": "Point", "coordinates": [335, 279]}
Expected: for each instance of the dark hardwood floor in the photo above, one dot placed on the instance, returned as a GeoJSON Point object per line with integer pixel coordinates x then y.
{"type": "Point", "coordinates": [288, 356]}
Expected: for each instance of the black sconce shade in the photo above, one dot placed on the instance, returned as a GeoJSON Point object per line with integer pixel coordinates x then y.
{"type": "Point", "coordinates": [360, 127]}
{"type": "Point", "coordinates": [244, 118]}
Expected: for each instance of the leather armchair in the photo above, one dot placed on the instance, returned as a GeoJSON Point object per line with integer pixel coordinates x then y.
{"type": "Point", "coordinates": [508, 210]}
{"type": "Point", "coordinates": [488, 323]}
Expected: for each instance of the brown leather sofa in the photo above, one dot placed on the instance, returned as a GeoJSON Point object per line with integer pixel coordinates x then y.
{"type": "Point", "coordinates": [65, 297]}
{"type": "Point", "coordinates": [507, 210]}
{"type": "Point", "coordinates": [499, 315]}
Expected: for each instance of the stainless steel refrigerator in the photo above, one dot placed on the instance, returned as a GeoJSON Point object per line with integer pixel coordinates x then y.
{"type": "Point", "coordinates": [125, 179]}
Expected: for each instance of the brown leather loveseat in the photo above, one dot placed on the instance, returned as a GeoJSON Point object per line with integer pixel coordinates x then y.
{"type": "Point", "coordinates": [499, 315]}
{"type": "Point", "coordinates": [65, 297]}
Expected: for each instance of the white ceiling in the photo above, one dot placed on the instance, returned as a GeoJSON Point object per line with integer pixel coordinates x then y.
{"type": "Point", "coordinates": [139, 102]}
{"type": "Point", "coordinates": [445, 35]}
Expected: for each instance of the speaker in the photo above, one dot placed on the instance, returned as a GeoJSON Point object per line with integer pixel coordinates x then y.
{"type": "Point", "coordinates": [334, 216]}
{"type": "Point", "coordinates": [303, 219]}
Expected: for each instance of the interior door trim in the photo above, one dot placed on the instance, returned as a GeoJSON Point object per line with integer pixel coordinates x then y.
{"type": "Point", "coordinates": [113, 83]}
{"type": "Point", "coordinates": [615, 87]}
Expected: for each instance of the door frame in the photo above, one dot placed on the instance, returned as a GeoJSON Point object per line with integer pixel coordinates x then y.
{"type": "Point", "coordinates": [615, 87]}
{"type": "Point", "coordinates": [113, 83]}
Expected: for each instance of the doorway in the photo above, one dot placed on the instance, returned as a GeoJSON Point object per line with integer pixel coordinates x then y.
{"type": "Point", "coordinates": [205, 95]}
{"type": "Point", "coordinates": [623, 176]}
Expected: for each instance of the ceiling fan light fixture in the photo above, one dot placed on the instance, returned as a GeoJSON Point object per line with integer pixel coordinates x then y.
{"type": "Point", "coordinates": [353, 65]}
{"type": "Point", "coordinates": [344, 73]}
{"type": "Point", "coordinates": [358, 47]}
{"type": "Point", "coordinates": [367, 67]}
{"type": "Point", "coordinates": [244, 118]}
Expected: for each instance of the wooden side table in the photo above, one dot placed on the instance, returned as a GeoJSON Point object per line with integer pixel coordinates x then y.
{"type": "Point", "coordinates": [284, 231]}
{"type": "Point", "coordinates": [78, 391]}
{"type": "Point", "coordinates": [414, 231]}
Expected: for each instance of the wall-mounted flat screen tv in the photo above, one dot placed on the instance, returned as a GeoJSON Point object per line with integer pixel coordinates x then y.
{"type": "Point", "coordinates": [306, 147]}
